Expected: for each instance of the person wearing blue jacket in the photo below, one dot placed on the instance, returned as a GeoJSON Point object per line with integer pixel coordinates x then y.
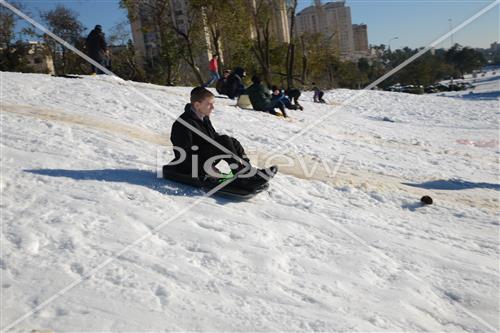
{"type": "Point", "coordinates": [278, 95]}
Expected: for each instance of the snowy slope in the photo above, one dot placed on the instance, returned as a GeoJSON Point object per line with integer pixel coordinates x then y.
{"type": "Point", "coordinates": [486, 85]}
{"type": "Point", "coordinates": [349, 252]}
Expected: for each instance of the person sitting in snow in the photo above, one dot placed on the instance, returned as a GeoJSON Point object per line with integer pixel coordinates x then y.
{"type": "Point", "coordinates": [318, 95]}
{"type": "Point", "coordinates": [261, 98]}
{"type": "Point", "coordinates": [185, 140]}
{"type": "Point", "coordinates": [220, 85]}
{"type": "Point", "coordinates": [278, 95]}
{"type": "Point", "coordinates": [234, 86]}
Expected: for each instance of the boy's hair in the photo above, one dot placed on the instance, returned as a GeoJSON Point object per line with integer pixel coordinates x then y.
{"type": "Point", "coordinates": [198, 94]}
{"type": "Point", "coordinates": [256, 79]}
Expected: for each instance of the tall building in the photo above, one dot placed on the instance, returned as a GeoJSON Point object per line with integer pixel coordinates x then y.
{"type": "Point", "coordinates": [279, 22]}
{"type": "Point", "coordinates": [147, 41]}
{"type": "Point", "coordinates": [360, 35]}
{"type": "Point", "coordinates": [333, 20]}
{"type": "Point", "coordinates": [495, 47]}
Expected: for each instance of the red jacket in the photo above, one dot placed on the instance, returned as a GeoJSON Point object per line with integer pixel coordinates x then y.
{"type": "Point", "coordinates": [212, 65]}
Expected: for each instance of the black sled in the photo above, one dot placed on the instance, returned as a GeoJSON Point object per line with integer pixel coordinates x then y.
{"type": "Point", "coordinates": [233, 190]}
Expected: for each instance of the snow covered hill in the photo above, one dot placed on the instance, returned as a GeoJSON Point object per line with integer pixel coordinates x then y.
{"type": "Point", "coordinates": [92, 240]}
{"type": "Point", "coordinates": [485, 85]}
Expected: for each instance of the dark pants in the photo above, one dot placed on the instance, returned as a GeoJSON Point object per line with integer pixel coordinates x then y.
{"type": "Point", "coordinates": [318, 97]}
{"type": "Point", "coordinates": [100, 60]}
{"type": "Point", "coordinates": [276, 104]}
{"type": "Point", "coordinates": [294, 95]}
{"type": "Point", "coordinates": [235, 147]}
{"type": "Point", "coordinates": [248, 178]}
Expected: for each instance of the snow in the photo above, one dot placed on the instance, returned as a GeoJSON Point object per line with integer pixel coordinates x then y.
{"type": "Point", "coordinates": [486, 85]}
{"type": "Point", "coordinates": [319, 251]}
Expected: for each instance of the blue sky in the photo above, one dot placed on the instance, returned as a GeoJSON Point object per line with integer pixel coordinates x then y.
{"type": "Point", "coordinates": [415, 23]}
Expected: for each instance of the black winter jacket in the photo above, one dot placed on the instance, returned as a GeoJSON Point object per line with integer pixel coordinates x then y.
{"type": "Point", "coordinates": [96, 44]}
{"type": "Point", "coordinates": [234, 85]}
{"type": "Point", "coordinates": [184, 138]}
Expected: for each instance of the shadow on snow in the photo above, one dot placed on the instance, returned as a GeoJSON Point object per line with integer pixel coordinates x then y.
{"type": "Point", "coordinates": [484, 96]}
{"type": "Point", "coordinates": [454, 185]}
{"type": "Point", "coordinates": [143, 178]}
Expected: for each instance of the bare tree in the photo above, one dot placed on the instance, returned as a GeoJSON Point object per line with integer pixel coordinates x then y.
{"type": "Point", "coordinates": [64, 22]}
{"type": "Point", "coordinates": [120, 33]}
{"type": "Point", "coordinates": [190, 36]}
{"type": "Point", "coordinates": [7, 24]}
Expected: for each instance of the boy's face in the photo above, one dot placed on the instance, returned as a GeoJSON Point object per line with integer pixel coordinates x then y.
{"type": "Point", "coordinates": [206, 106]}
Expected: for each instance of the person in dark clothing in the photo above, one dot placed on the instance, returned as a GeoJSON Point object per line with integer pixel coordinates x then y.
{"type": "Point", "coordinates": [261, 98]}
{"type": "Point", "coordinates": [189, 143]}
{"type": "Point", "coordinates": [318, 95]}
{"type": "Point", "coordinates": [97, 48]}
{"type": "Point", "coordinates": [278, 95]}
{"type": "Point", "coordinates": [234, 86]}
{"type": "Point", "coordinates": [220, 85]}
{"type": "Point", "coordinates": [294, 94]}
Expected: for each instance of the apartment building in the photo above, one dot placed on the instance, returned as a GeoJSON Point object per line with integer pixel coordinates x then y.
{"type": "Point", "coordinates": [279, 24]}
{"type": "Point", "coordinates": [333, 20]}
{"type": "Point", "coordinates": [360, 35]}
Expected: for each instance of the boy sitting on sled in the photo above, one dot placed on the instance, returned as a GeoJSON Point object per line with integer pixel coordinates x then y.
{"type": "Point", "coordinates": [198, 147]}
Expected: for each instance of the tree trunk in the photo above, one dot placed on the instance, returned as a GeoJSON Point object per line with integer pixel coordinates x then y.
{"type": "Point", "coordinates": [290, 55]}
{"type": "Point", "coordinates": [290, 62]}
{"type": "Point", "coordinates": [303, 75]}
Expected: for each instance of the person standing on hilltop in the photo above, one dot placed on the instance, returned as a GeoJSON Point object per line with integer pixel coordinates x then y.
{"type": "Point", "coordinates": [97, 48]}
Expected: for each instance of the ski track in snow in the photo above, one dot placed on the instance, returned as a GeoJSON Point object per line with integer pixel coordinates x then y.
{"type": "Point", "coordinates": [79, 160]}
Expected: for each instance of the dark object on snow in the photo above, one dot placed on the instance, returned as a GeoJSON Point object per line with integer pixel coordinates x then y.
{"type": "Point", "coordinates": [68, 76]}
{"type": "Point", "coordinates": [387, 119]}
{"type": "Point", "coordinates": [426, 200]}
